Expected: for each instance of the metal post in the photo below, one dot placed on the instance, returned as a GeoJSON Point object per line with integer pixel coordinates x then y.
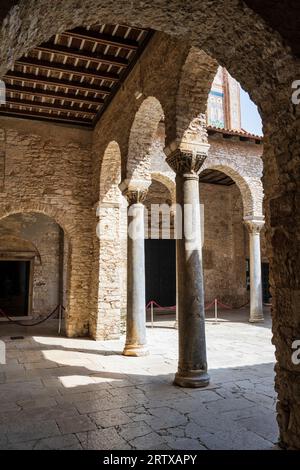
{"type": "Point", "coordinates": [152, 315]}
{"type": "Point", "coordinates": [59, 318]}
{"type": "Point", "coordinates": [216, 310]}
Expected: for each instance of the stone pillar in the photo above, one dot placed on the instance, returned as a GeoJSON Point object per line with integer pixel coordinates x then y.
{"type": "Point", "coordinates": [256, 306]}
{"type": "Point", "coordinates": [192, 364]}
{"type": "Point", "coordinates": [136, 344]}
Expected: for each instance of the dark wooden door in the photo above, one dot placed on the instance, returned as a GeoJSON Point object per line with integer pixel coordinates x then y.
{"type": "Point", "coordinates": [14, 287]}
{"type": "Point", "coordinates": [160, 266]}
{"type": "Point", "coordinates": [265, 282]}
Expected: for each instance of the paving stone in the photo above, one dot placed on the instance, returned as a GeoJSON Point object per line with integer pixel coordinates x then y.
{"type": "Point", "coordinates": [151, 441]}
{"type": "Point", "coordinates": [232, 440]}
{"type": "Point", "coordinates": [75, 424]}
{"type": "Point", "coordinates": [68, 441]}
{"type": "Point", "coordinates": [161, 418]}
{"type": "Point", "coordinates": [184, 444]}
{"type": "Point", "coordinates": [110, 418]}
{"type": "Point", "coordinates": [103, 439]}
{"type": "Point", "coordinates": [131, 430]}
{"type": "Point", "coordinates": [265, 425]}
{"type": "Point", "coordinates": [27, 432]}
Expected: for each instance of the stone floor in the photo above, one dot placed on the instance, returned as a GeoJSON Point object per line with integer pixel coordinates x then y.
{"type": "Point", "coordinates": [58, 393]}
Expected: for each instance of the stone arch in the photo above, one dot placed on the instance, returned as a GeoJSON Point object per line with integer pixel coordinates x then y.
{"type": "Point", "coordinates": [59, 216]}
{"type": "Point", "coordinates": [110, 174]}
{"type": "Point", "coordinates": [250, 187]}
{"type": "Point", "coordinates": [167, 181]}
{"type": "Point", "coordinates": [224, 37]}
{"type": "Point", "coordinates": [35, 237]}
{"type": "Point", "coordinates": [142, 134]}
{"type": "Point", "coordinates": [196, 79]}
{"type": "Point", "coordinates": [13, 242]}
{"type": "Point", "coordinates": [109, 262]}
{"type": "Point", "coordinates": [77, 315]}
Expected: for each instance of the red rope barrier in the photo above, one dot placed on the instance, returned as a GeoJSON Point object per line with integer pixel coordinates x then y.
{"type": "Point", "coordinates": [206, 307]}
{"type": "Point", "coordinates": [38, 322]}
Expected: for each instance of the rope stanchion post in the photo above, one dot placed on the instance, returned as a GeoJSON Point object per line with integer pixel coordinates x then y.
{"type": "Point", "coordinates": [216, 311]}
{"type": "Point", "coordinates": [59, 318]}
{"type": "Point", "coordinates": [152, 315]}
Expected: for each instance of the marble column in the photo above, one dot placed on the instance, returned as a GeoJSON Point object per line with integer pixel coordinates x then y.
{"type": "Point", "coordinates": [256, 306]}
{"type": "Point", "coordinates": [136, 344]}
{"type": "Point", "coordinates": [192, 364]}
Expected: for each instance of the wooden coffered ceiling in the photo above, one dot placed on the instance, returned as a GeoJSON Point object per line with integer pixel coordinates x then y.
{"type": "Point", "coordinates": [215, 177]}
{"type": "Point", "coordinates": [73, 77]}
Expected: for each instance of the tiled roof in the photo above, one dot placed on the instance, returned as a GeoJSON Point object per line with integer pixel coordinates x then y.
{"type": "Point", "coordinates": [238, 133]}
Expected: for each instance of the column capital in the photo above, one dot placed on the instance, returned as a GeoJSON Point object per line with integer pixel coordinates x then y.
{"type": "Point", "coordinates": [186, 161]}
{"type": "Point", "coordinates": [134, 191]}
{"type": "Point", "coordinates": [254, 226]}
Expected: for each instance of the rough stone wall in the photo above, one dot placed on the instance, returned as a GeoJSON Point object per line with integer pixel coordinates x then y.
{"type": "Point", "coordinates": [242, 162]}
{"type": "Point", "coordinates": [16, 231]}
{"type": "Point", "coordinates": [48, 170]}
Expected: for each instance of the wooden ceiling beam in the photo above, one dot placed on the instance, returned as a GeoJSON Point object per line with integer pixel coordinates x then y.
{"type": "Point", "coordinates": [53, 94]}
{"type": "Point", "coordinates": [45, 117]}
{"type": "Point", "coordinates": [52, 107]}
{"type": "Point", "coordinates": [82, 54]}
{"type": "Point", "coordinates": [31, 78]}
{"type": "Point", "coordinates": [65, 68]}
{"type": "Point", "coordinates": [100, 38]}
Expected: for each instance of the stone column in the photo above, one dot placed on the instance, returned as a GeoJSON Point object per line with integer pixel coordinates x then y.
{"type": "Point", "coordinates": [192, 365]}
{"type": "Point", "coordinates": [256, 306]}
{"type": "Point", "coordinates": [136, 344]}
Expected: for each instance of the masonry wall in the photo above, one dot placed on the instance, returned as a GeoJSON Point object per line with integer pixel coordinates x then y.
{"type": "Point", "coordinates": [48, 170]}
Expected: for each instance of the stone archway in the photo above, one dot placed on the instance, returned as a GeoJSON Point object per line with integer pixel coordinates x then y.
{"type": "Point", "coordinates": [256, 56]}
{"type": "Point", "coordinates": [37, 251]}
{"type": "Point", "coordinates": [77, 299]}
{"type": "Point", "coordinates": [108, 269]}
{"type": "Point", "coordinates": [141, 139]}
{"type": "Point", "coordinates": [250, 186]}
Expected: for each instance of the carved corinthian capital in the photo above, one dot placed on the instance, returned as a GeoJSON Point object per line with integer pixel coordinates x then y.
{"type": "Point", "coordinates": [254, 226]}
{"type": "Point", "coordinates": [135, 196]}
{"type": "Point", "coordinates": [135, 191]}
{"type": "Point", "coordinates": [186, 162]}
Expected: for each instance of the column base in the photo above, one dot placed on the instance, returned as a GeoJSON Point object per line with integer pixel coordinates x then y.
{"type": "Point", "coordinates": [258, 319]}
{"type": "Point", "coordinates": [135, 350]}
{"type": "Point", "coordinates": [191, 379]}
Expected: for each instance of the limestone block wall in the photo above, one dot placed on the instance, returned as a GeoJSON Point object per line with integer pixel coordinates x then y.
{"type": "Point", "coordinates": [48, 170]}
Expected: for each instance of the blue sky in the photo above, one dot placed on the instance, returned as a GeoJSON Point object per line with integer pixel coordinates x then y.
{"type": "Point", "coordinates": [251, 120]}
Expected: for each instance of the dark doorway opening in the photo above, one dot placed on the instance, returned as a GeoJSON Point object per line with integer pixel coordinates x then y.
{"type": "Point", "coordinates": [14, 287]}
{"type": "Point", "coordinates": [265, 283]}
{"type": "Point", "coordinates": [160, 266]}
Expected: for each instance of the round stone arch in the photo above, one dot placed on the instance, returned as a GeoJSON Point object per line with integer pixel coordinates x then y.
{"type": "Point", "coordinates": [19, 245]}
{"type": "Point", "coordinates": [195, 83]}
{"type": "Point", "coordinates": [141, 138]}
{"type": "Point", "coordinates": [167, 181]}
{"type": "Point", "coordinates": [225, 37]}
{"type": "Point", "coordinates": [78, 268]}
{"type": "Point", "coordinates": [13, 242]}
{"type": "Point", "coordinates": [250, 187]}
{"type": "Point", "coordinates": [109, 265]}
{"type": "Point", "coordinates": [110, 174]}
{"type": "Point", "coordinates": [59, 216]}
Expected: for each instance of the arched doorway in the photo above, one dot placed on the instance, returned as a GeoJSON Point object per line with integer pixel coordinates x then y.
{"type": "Point", "coordinates": [34, 265]}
